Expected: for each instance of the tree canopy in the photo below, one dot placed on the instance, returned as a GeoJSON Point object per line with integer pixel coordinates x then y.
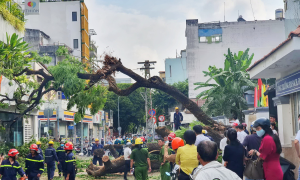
{"type": "Point", "coordinates": [16, 65]}
{"type": "Point", "coordinates": [225, 88]}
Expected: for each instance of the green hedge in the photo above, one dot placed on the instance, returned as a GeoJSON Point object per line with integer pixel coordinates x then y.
{"type": "Point", "coordinates": [13, 20]}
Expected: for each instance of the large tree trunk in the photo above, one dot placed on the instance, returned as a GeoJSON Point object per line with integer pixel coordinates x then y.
{"type": "Point", "coordinates": [117, 165]}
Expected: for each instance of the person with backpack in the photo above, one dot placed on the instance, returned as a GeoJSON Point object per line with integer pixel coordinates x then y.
{"type": "Point", "coordinates": [60, 152]}
{"type": "Point", "coordinates": [70, 162]}
{"type": "Point", "coordinates": [10, 167]}
{"type": "Point", "coordinates": [34, 163]}
{"type": "Point", "coordinates": [50, 158]}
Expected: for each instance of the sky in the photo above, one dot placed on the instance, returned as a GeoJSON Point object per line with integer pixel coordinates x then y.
{"type": "Point", "coordinates": [139, 30]}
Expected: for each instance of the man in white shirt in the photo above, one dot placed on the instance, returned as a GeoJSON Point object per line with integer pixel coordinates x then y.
{"type": "Point", "coordinates": [199, 136]}
{"type": "Point", "coordinates": [241, 135]}
{"type": "Point", "coordinates": [234, 120]}
{"type": "Point", "coordinates": [127, 153]}
{"type": "Point", "coordinates": [210, 168]}
{"type": "Point", "coordinates": [223, 143]}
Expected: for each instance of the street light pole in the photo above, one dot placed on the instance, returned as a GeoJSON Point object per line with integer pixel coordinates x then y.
{"type": "Point", "coordinates": [119, 128]}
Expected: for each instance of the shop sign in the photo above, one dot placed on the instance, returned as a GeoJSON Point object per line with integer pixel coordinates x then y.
{"type": "Point", "coordinates": [288, 84]}
{"type": "Point", "coordinates": [32, 7]}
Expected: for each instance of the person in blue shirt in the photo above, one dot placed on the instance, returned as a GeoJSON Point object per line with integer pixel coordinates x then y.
{"type": "Point", "coordinates": [39, 147]}
{"type": "Point", "coordinates": [178, 118]}
{"type": "Point", "coordinates": [50, 158]}
{"type": "Point", "coordinates": [10, 167]}
{"type": "Point", "coordinates": [70, 163]}
{"type": "Point", "coordinates": [96, 158]}
{"type": "Point", "coordinates": [34, 163]}
{"type": "Point", "coordinates": [60, 152]}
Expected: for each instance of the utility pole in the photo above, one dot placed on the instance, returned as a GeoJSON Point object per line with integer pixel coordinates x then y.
{"type": "Point", "coordinates": [148, 106]}
{"type": "Point", "coordinates": [119, 128]}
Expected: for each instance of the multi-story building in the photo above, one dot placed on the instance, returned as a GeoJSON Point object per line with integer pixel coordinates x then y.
{"type": "Point", "coordinates": [16, 129]}
{"type": "Point", "coordinates": [65, 22]}
{"type": "Point", "coordinates": [175, 69]}
{"type": "Point", "coordinates": [162, 75]}
{"type": "Point", "coordinates": [208, 42]}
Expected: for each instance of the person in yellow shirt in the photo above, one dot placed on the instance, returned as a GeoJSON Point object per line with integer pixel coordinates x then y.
{"type": "Point", "coordinates": [186, 156]}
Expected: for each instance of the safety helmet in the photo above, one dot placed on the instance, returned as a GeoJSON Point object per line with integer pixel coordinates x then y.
{"type": "Point", "coordinates": [176, 108]}
{"type": "Point", "coordinates": [38, 143]}
{"type": "Point", "coordinates": [138, 141]}
{"type": "Point", "coordinates": [96, 139]}
{"type": "Point", "coordinates": [263, 122]}
{"type": "Point", "coordinates": [244, 124]}
{"type": "Point", "coordinates": [128, 144]}
{"type": "Point", "coordinates": [143, 139]}
{"type": "Point", "coordinates": [171, 136]}
{"type": "Point", "coordinates": [235, 124]}
{"type": "Point", "coordinates": [34, 147]}
{"type": "Point", "coordinates": [13, 152]}
{"type": "Point", "coordinates": [204, 131]}
{"type": "Point", "coordinates": [128, 140]}
{"type": "Point", "coordinates": [69, 146]}
{"type": "Point", "coordinates": [50, 142]}
{"type": "Point", "coordinates": [62, 142]}
{"type": "Point", "coordinates": [177, 142]}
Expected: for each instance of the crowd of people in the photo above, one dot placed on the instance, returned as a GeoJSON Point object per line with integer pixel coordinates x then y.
{"type": "Point", "coordinates": [35, 160]}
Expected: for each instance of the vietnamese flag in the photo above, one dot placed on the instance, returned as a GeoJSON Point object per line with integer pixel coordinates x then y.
{"type": "Point", "coordinates": [259, 92]}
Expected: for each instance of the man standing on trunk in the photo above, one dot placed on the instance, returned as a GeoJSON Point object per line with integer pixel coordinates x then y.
{"type": "Point", "coordinates": [178, 118]}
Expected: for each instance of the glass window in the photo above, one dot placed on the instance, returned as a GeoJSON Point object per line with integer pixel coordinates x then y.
{"type": "Point", "coordinates": [74, 16]}
{"type": "Point", "coordinates": [75, 43]}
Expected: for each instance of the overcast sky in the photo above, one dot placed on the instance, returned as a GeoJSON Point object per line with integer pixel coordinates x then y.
{"type": "Point", "coordinates": [138, 30]}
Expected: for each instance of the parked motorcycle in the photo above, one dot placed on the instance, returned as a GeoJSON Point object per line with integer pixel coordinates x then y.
{"type": "Point", "coordinates": [90, 149]}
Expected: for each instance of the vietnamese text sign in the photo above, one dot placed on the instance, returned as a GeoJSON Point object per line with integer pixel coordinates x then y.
{"type": "Point", "coordinates": [161, 123]}
{"type": "Point", "coordinates": [288, 84]}
{"type": "Point", "coordinates": [32, 7]}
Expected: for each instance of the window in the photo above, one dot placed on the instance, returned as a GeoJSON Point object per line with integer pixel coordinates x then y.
{"type": "Point", "coordinates": [74, 16]}
{"type": "Point", "coordinates": [170, 71]}
{"type": "Point", "coordinates": [75, 43]}
{"type": "Point", "coordinates": [210, 39]}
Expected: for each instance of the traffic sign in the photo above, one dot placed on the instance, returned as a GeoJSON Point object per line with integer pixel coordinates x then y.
{"type": "Point", "coordinates": [161, 123]}
{"type": "Point", "coordinates": [161, 118]}
{"type": "Point", "coordinates": [150, 120]}
{"type": "Point", "coordinates": [152, 112]}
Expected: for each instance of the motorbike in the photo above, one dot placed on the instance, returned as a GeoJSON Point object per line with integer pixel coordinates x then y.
{"type": "Point", "coordinates": [90, 150]}
{"type": "Point", "coordinates": [174, 173]}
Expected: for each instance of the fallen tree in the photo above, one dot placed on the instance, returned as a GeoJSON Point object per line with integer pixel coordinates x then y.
{"type": "Point", "coordinates": [117, 165]}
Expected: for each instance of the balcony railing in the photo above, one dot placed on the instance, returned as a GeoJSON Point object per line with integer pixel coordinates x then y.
{"type": "Point", "coordinates": [15, 9]}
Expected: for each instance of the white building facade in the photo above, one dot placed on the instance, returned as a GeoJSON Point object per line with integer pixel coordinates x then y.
{"type": "Point", "coordinates": [208, 42]}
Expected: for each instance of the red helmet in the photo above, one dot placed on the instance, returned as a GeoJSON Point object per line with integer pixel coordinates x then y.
{"type": "Point", "coordinates": [13, 152]}
{"type": "Point", "coordinates": [177, 142]}
{"type": "Point", "coordinates": [171, 136]}
{"type": "Point", "coordinates": [34, 147]}
{"type": "Point", "coordinates": [234, 124]}
{"type": "Point", "coordinates": [143, 139]}
{"type": "Point", "coordinates": [244, 124]}
{"type": "Point", "coordinates": [69, 146]}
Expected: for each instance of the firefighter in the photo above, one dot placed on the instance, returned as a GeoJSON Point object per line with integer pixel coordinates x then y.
{"type": "Point", "coordinates": [39, 144]}
{"type": "Point", "coordinates": [10, 167]}
{"type": "Point", "coordinates": [50, 158]}
{"type": "Point", "coordinates": [34, 163]}
{"type": "Point", "coordinates": [70, 162]}
{"type": "Point", "coordinates": [60, 152]}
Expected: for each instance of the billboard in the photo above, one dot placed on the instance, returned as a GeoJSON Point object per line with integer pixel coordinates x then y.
{"type": "Point", "coordinates": [32, 7]}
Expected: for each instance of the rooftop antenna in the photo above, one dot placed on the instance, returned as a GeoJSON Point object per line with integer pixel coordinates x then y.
{"type": "Point", "coordinates": [224, 11]}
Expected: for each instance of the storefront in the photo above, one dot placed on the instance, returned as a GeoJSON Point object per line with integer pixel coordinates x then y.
{"type": "Point", "coordinates": [283, 63]}
{"type": "Point", "coordinates": [13, 130]}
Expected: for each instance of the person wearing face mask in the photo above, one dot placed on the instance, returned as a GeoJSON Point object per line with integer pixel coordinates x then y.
{"type": "Point", "coordinates": [269, 150]}
{"type": "Point", "coordinates": [60, 152]}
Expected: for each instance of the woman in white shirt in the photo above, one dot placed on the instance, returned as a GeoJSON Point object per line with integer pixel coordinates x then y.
{"type": "Point", "coordinates": [127, 153]}
{"type": "Point", "coordinates": [223, 143]}
{"type": "Point", "coordinates": [273, 127]}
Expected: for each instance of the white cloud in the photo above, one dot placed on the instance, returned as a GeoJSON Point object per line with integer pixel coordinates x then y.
{"type": "Point", "coordinates": [140, 32]}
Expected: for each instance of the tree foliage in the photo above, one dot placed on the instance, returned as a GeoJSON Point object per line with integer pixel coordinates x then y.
{"type": "Point", "coordinates": [225, 88]}
{"type": "Point", "coordinates": [16, 65]}
{"type": "Point", "coordinates": [163, 101]}
{"type": "Point", "coordinates": [132, 109]}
